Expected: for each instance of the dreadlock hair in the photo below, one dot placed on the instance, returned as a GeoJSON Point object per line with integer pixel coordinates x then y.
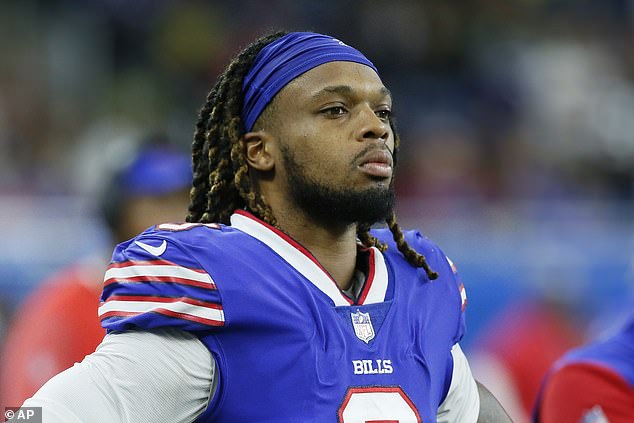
{"type": "Point", "coordinates": [221, 182]}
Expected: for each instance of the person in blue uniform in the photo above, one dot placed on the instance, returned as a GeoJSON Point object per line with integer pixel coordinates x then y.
{"type": "Point", "coordinates": [591, 384]}
{"type": "Point", "coordinates": [275, 301]}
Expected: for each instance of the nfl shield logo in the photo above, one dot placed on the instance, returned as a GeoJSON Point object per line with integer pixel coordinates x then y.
{"type": "Point", "coordinates": [362, 326]}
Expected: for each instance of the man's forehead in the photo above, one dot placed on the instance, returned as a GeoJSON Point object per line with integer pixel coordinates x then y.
{"type": "Point", "coordinates": [344, 78]}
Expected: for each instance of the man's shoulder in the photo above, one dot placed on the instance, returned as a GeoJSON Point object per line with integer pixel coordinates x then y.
{"type": "Point", "coordinates": [437, 260]}
{"type": "Point", "coordinates": [434, 256]}
{"type": "Point", "coordinates": [166, 277]}
{"type": "Point", "coordinates": [178, 241]}
{"type": "Point", "coordinates": [189, 232]}
{"type": "Point", "coordinates": [614, 353]}
{"type": "Point", "coordinates": [414, 238]}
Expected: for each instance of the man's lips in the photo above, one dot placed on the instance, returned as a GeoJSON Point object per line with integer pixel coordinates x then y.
{"type": "Point", "coordinates": [377, 163]}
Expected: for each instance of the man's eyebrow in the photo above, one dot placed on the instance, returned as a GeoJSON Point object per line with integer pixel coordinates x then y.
{"type": "Point", "coordinates": [333, 89]}
{"type": "Point", "coordinates": [346, 90]}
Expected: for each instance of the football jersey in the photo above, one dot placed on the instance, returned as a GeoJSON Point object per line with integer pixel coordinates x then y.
{"type": "Point", "coordinates": [600, 374]}
{"type": "Point", "coordinates": [288, 344]}
{"type": "Point", "coordinates": [615, 353]}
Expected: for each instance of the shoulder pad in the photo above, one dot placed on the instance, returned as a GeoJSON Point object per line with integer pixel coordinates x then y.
{"type": "Point", "coordinates": [153, 281]}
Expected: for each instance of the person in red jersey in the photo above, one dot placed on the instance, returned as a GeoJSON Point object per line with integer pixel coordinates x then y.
{"type": "Point", "coordinates": [58, 324]}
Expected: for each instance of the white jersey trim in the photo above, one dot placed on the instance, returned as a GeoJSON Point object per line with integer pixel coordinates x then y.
{"type": "Point", "coordinates": [309, 268]}
{"type": "Point", "coordinates": [462, 403]}
{"type": "Point", "coordinates": [377, 291]}
{"type": "Point", "coordinates": [177, 307]}
{"type": "Point", "coordinates": [128, 273]}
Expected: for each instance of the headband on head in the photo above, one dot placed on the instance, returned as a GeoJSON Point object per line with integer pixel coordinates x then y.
{"type": "Point", "coordinates": [285, 59]}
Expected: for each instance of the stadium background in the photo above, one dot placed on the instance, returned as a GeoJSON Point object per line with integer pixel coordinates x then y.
{"type": "Point", "coordinates": [517, 121]}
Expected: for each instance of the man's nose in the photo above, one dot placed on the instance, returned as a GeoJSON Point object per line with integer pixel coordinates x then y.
{"type": "Point", "coordinates": [372, 127]}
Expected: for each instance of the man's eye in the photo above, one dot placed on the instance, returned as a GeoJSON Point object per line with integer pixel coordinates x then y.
{"type": "Point", "coordinates": [334, 111]}
{"type": "Point", "coordinates": [384, 114]}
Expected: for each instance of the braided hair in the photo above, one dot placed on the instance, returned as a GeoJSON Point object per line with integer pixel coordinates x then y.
{"type": "Point", "coordinates": [221, 182]}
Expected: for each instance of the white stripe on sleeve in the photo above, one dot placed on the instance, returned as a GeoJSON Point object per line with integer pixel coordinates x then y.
{"type": "Point", "coordinates": [179, 308]}
{"type": "Point", "coordinates": [133, 271]}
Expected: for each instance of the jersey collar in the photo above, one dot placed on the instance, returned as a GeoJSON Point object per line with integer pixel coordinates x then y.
{"type": "Point", "coordinates": [307, 265]}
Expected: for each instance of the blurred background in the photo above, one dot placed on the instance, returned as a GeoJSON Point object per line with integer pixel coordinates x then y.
{"type": "Point", "coordinates": [516, 120]}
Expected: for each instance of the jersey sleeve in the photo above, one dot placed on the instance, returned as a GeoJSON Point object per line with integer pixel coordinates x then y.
{"type": "Point", "coordinates": [578, 392]}
{"type": "Point", "coordinates": [165, 375]}
{"type": "Point", "coordinates": [152, 281]}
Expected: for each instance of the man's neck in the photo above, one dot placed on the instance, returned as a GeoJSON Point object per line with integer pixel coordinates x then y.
{"type": "Point", "coordinates": [334, 246]}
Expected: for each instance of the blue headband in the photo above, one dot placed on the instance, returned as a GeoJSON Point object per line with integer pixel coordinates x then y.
{"type": "Point", "coordinates": [285, 59]}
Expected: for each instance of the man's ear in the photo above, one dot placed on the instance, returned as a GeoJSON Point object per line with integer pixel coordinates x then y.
{"type": "Point", "coordinates": [258, 149]}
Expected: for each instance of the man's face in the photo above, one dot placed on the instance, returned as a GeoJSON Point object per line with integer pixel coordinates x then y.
{"type": "Point", "coordinates": [336, 143]}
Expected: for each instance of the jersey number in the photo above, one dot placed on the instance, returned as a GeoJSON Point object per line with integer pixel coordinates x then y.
{"type": "Point", "coordinates": [377, 405]}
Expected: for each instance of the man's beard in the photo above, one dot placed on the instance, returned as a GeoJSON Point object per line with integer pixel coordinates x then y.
{"type": "Point", "coordinates": [327, 204]}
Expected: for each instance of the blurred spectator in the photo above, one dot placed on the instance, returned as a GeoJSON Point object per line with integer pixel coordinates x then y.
{"type": "Point", "coordinates": [58, 325]}
{"type": "Point", "coordinates": [514, 353]}
{"type": "Point", "coordinates": [593, 383]}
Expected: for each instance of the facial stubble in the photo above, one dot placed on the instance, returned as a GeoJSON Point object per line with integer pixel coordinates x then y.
{"type": "Point", "coordinates": [331, 204]}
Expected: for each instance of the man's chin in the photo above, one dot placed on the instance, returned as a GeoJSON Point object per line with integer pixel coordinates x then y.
{"type": "Point", "coordinates": [348, 207]}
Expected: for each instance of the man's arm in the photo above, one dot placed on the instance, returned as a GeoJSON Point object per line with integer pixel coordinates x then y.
{"type": "Point", "coordinates": [491, 410]}
{"type": "Point", "coordinates": [162, 375]}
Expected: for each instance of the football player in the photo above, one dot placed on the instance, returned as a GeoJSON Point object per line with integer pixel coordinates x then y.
{"type": "Point", "coordinates": [275, 301]}
{"type": "Point", "coordinates": [592, 384]}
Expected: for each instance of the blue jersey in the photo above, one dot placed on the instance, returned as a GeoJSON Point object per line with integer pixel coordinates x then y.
{"type": "Point", "coordinates": [615, 353]}
{"type": "Point", "coordinates": [288, 344]}
{"type": "Point", "coordinates": [591, 383]}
